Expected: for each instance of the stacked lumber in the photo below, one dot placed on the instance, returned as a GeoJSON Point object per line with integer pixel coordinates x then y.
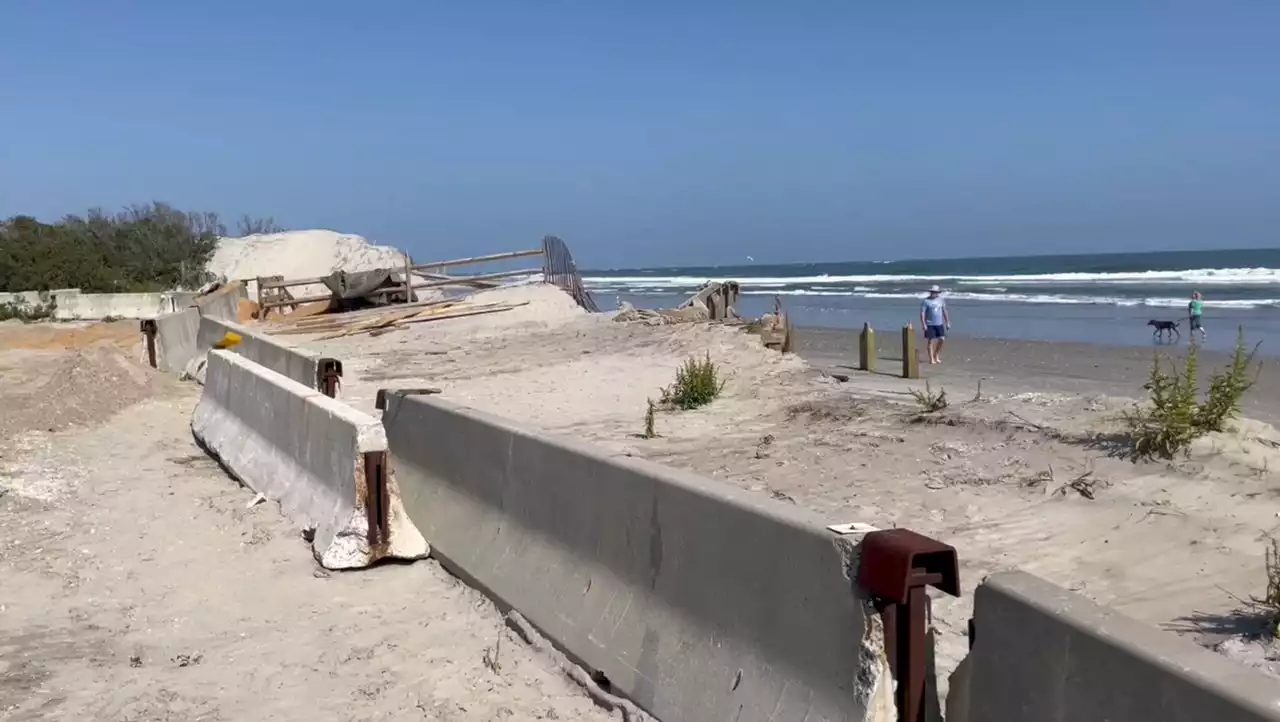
{"type": "Point", "coordinates": [376, 322]}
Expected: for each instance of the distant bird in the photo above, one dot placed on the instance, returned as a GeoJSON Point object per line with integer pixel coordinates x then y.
{"type": "Point", "coordinates": [749, 258]}
{"type": "Point", "coordinates": [230, 340]}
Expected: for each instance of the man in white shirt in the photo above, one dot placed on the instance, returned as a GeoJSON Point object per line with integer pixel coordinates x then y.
{"type": "Point", "coordinates": [935, 321]}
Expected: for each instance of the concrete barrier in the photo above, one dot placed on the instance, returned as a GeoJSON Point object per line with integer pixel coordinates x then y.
{"type": "Point", "coordinates": [223, 303]}
{"type": "Point", "coordinates": [303, 366]}
{"type": "Point", "coordinates": [322, 460]}
{"type": "Point", "coordinates": [696, 600]}
{"type": "Point", "coordinates": [1041, 652]}
{"type": "Point", "coordinates": [177, 334]}
{"type": "Point", "coordinates": [175, 339]}
{"type": "Point", "coordinates": [88, 306]}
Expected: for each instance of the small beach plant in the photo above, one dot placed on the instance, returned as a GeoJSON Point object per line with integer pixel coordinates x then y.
{"type": "Point", "coordinates": [1174, 415]}
{"type": "Point", "coordinates": [697, 383]}
{"type": "Point", "coordinates": [929, 401]}
{"type": "Point", "coordinates": [1227, 388]}
{"type": "Point", "coordinates": [650, 415]}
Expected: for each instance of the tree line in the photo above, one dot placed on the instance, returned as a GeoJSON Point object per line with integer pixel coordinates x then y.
{"type": "Point", "coordinates": [150, 247]}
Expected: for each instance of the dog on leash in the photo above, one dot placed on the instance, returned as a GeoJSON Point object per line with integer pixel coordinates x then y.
{"type": "Point", "coordinates": [1164, 329]}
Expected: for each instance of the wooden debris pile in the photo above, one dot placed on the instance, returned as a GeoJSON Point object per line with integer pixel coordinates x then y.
{"type": "Point", "coordinates": [713, 302]}
{"type": "Point", "coordinates": [379, 321]}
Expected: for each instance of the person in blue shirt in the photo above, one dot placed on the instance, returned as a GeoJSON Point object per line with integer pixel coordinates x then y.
{"type": "Point", "coordinates": [935, 321]}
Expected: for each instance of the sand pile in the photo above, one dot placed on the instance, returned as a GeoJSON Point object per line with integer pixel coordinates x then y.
{"type": "Point", "coordinates": [547, 306]}
{"type": "Point", "coordinates": [299, 254]}
{"type": "Point", "coordinates": [82, 388]}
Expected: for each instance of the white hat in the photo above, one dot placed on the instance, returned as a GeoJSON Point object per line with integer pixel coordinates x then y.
{"type": "Point", "coordinates": [935, 289]}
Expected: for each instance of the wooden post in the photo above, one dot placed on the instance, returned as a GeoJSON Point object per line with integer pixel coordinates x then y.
{"type": "Point", "coordinates": [910, 362]}
{"type": "Point", "coordinates": [262, 312]}
{"type": "Point", "coordinates": [867, 348]}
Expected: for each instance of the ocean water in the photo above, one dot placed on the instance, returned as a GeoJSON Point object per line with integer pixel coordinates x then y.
{"type": "Point", "coordinates": [1105, 298]}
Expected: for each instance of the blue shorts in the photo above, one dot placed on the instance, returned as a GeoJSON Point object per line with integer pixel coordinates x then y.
{"type": "Point", "coordinates": [932, 331]}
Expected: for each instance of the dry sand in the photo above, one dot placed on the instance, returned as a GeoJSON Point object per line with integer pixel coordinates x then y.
{"type": "Point", "coordinates": [121, 541]}
{"type": "Point", "coordinates": [1168, 543]}
{"type": "Point", "coordinates": [137, 585]}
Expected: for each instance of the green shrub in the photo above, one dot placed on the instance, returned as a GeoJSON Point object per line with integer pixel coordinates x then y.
{"type": "Point", "coordinates": [650, 415]}
{"type": "Point", "coordinates": [1174, 416]}
{"type": "Point", "coordinates": [697, 383]}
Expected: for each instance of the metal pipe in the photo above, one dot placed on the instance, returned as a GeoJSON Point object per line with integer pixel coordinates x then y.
{"type": "Point", "coordinates": [451, 281]}
{"type": "Point", "coordinates": [477, 259]}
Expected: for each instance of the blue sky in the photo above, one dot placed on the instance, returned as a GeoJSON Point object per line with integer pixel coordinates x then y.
{"type": "Point", "coordinates": [660, 133]}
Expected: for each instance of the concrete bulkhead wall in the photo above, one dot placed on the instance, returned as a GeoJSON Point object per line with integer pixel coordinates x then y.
{"type": "Point", "coordinates": [92, 306]}
{"type": "Point", "coordinates": [1041, 652]}
{"type": "Point", "coordinates": [696, 600]}
{"type": "Point", "coordinates": [296, 363]}
{"type": "Point", "coordinates": [297, 446]}
{"type": "Point", "coordinates": [24, 298]}
{"type": "Point", "coordinates": [36, 298]}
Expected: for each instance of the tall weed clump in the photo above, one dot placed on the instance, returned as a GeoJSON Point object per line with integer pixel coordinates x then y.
{"type": "Point", "coordinates": [697, 383]}
{"type": "Point", "coordinates": [1174, 415]}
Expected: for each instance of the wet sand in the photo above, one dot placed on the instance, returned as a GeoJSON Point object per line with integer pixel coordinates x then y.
{"type": "Point", "coordinates": [1009, 366]}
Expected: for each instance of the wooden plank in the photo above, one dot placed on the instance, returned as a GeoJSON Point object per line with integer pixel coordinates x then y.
{"type": "Point", "coordinates": [385, 320]}
{"type": "Point", "coordinates": [363, 323]}
{"type": "Point", "coordinates": [463, 314]}
{"type": "Point", "coordinates": [348, 317]}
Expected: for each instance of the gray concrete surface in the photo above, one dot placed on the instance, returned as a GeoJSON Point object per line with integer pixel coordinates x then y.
{"type": "Point", "coordinates": [696, 600]}
{"type": "Point", "coordinates": [1044, 653]}
{"type": "Point", "coordinates": [296, 446]}
{"type": "Point", "coordinates": [294, 362]}
{"type": "Point", "coordinates": [176, 339]}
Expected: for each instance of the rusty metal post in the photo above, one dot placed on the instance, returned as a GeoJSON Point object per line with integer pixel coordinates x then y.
{"type": "Point", "coordinates": [328, 376]}
{"type": "Point", "coordinates": [910, 361]}
{"type": "Point", "coordinates": [867, 348]}
{"type": "Point", "coordinates": [148, 329]}
{"type": "Point", "coordinates": [377, 502]}
{"type": "Point", "coordinates": [896, 567]}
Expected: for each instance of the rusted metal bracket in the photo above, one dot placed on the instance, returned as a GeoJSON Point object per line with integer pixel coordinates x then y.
{"type": "Point", "coordinates": [380, 401]}
{"type": "Point", "coordinates": [377, 501]}
{"type": "Point", "coordinates": [148, 328]}
{"type": "Point", "coordinates": [329, 376]}
{"type": "Point", "coordinates": [896, 567]}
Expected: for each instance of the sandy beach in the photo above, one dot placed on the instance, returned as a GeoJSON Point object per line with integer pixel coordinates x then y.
{"type": "Point", "coordinates": [1010, 366]}
{"type": "Point", "coordinates": [1019, 476]}
{"type": "Point", "coordinates": [140, 582]}
{"type": "Point", "coordinates": [998, 476]}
